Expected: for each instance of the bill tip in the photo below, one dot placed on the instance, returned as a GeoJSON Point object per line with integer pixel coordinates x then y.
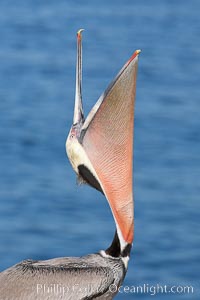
{"type": "Point", "coordinates": [138, 51]}
{"type": "Point", "coordinates": [79, 32]}
{"type": "Point", "coordinates": [135, 54]}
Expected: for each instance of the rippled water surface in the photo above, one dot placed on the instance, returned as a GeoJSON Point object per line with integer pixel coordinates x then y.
{"type": "Point", "coordinates": [43, 213]}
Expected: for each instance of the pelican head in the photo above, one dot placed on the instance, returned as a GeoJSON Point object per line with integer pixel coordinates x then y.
{"type": "Point", "coordinates": [100, 148]}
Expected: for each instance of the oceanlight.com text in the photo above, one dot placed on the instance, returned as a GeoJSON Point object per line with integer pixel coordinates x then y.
{"type": "Point", "coordinates": [152, 290]}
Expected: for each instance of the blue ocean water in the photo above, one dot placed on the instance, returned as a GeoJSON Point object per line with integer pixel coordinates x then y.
{"type": "Point", "coordinates": [43, 213]}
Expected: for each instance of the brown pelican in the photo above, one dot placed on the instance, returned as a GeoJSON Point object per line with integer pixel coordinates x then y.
{"type": "Point", "coordinates": [100, 149]}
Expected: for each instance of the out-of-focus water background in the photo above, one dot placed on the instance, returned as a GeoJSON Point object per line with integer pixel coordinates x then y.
{"type": "Point", "coordinates": [43, 213]}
